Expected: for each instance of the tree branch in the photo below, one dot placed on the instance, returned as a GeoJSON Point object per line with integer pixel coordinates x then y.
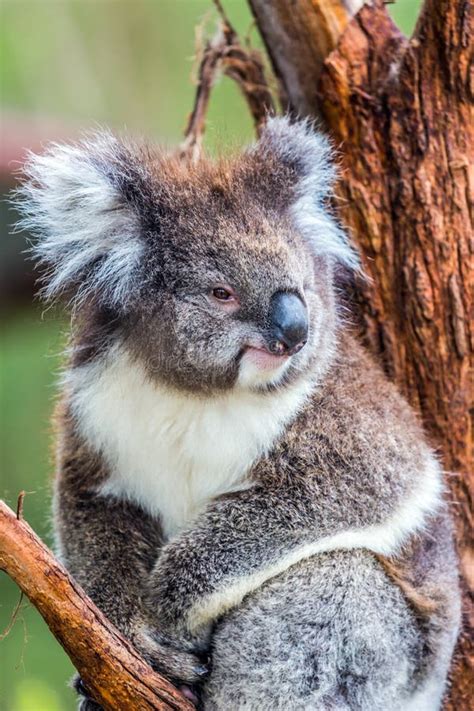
{"type": "Point", "coordinates": [207, 74]}
{"type": "Point", "coordinates": [114, 673]}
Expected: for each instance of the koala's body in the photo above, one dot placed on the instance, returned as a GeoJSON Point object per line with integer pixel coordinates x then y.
{"type": "Point", "coordinates": [236, 477]}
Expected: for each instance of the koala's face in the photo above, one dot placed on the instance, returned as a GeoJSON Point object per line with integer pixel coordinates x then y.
{"type": "Point", "coordinates": [239, 307]}
{"type": "Point", "coordinates": [215, 276]}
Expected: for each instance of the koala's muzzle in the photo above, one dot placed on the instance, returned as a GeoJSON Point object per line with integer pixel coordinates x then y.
{"type": "Point", "coordinates": [288, 318]}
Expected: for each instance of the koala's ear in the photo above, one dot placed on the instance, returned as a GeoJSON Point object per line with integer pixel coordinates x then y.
{"type": "Point", "coordinates": [300, 176]}
{"type": "Point", "coordinates": [85, 205]}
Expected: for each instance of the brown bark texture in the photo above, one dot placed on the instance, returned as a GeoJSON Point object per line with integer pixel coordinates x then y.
{"type": "Point", "coordinates": [117, 677]}
{"type": "Point", "coordinates": [401, 112]}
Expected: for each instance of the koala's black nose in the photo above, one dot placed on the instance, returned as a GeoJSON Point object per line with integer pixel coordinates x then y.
{"type": "Point", "coordinates": [288, 323]}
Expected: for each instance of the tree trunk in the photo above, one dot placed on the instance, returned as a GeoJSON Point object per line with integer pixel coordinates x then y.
{"type": "Point", "coordinates": [402, 115]}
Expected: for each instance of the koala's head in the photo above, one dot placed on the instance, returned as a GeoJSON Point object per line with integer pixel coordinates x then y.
{"type": "Point", "coordinates": [214, 276]}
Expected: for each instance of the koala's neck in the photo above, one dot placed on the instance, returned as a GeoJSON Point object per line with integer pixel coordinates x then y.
{"type": "Point", "coordinates": [171, 452]}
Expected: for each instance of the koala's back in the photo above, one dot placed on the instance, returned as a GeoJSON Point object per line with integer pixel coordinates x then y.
{"type": "Point", "coordinates": [336, 632]}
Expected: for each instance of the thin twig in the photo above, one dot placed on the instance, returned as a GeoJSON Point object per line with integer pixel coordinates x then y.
{"type": "Point", "coordinates": [246, 68]}
{"type": "Point", "coordinates": [207, 74]}
{"type": "Point", "coordinates": [19, 505]}
{"type": "Point", "coordinates": [13, 617]}
{"type": "Point", "coordinates": [222, 13]}
{"type": "Point", "coordinates": [225, 54]}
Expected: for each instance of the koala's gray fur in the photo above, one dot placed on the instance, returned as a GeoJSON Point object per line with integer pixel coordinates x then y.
{"type": "Point", "coordinates": [289, 520]}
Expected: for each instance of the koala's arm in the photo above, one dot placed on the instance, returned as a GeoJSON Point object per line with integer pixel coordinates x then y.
{"type": "Point", "coordinates": [110, 547]}
{"type": "Point", "coordinates": [230, 550]}
{"type": "Point", "coordinates": [307, 499]}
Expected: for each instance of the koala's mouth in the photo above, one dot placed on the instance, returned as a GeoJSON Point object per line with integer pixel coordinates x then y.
{"type": "Point", "coordinates": [263, 359]}
{"type": "Point", "coordinates": [259, 367]}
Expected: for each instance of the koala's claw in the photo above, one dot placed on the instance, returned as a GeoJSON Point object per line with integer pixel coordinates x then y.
{"type": "Point", "coordinates": [202, 670]}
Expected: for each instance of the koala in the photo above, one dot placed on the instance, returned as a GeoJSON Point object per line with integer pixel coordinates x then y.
{"type": "Point", "coordinates": [239, 487]}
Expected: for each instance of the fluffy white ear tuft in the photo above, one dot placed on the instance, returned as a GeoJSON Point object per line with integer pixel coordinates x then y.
{"type": "Point", "coordinates": [74, 200]}
{"type": "Point", "coordinates": [308, 155]}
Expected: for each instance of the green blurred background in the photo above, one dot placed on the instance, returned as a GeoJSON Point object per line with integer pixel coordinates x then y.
{"type": "Point", "coordinates": [67, 65]}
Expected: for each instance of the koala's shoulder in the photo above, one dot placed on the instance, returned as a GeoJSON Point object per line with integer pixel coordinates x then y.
{"type": "Point", "coordinates": [358, 394]}
{"type": "Point", "coordinates": [355, 418]}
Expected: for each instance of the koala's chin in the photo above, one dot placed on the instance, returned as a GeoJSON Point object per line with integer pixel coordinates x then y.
{"type": "Point", "coordinates": [259, 369]}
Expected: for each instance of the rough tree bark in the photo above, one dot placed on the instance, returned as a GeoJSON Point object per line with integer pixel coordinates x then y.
{"type": "Point", "coordinates": [401, 111]}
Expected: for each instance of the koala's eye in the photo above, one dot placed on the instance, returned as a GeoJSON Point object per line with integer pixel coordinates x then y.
{"type": "Point", "coordinates": [225, 297]}
{"type": "Point", "coordinates": [222, 294]}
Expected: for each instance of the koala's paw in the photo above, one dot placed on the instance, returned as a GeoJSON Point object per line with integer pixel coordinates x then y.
{"type": "Point", "coordinates": [175, 659]}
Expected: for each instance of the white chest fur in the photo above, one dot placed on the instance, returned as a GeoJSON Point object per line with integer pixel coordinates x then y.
{"type": "Point", "coordinates": [171, 452]}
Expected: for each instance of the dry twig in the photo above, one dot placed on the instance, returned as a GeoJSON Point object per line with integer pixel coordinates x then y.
{"type": "Point", "coordinates": [225, 54]}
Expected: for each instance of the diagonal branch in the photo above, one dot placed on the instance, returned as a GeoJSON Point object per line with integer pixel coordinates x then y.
{"type": "Point", "coordinates": [117, 677]}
